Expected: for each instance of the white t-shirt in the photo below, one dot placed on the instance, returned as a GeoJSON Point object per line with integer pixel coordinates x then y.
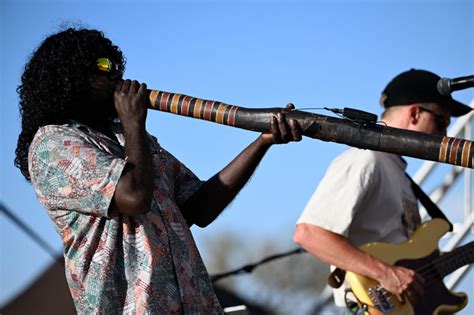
{"type": "Point", "coordinates": [365, 196]}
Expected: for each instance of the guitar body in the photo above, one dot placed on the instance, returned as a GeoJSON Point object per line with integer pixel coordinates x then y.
{"type": "Point", "coordinates": [416, 252]}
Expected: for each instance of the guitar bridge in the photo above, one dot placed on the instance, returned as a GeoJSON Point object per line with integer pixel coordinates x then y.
{"type": "Point", "coordinates": [381, 299]}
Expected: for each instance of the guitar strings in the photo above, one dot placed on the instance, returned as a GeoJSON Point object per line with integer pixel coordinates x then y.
{"type": "Point", "coordinates": [432, 269]}
{"type": "Point", "coordinates": [446, 257]}
{"type": "Point", "coordinates": [442, 265]}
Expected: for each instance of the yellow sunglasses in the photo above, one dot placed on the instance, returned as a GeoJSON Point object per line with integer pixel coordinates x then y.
{"type": "Point", "coordinates": [107, 65]}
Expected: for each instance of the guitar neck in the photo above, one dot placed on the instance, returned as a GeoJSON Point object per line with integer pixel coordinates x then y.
{"type": "Point", "coordinates": [450, 262]}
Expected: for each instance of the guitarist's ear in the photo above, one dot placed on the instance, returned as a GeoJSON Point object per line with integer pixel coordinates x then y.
{"type": "Point", "coordinates": [413, 112]}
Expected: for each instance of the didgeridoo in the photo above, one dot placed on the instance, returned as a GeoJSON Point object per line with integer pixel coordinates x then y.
{"type": "Point", "coordinates": [369, 136]}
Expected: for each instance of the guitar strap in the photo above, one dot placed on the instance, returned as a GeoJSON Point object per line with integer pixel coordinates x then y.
{"type": "Point", "coordinates": [433, 210]}
{"type": "Point", "coordinates": [336, 277]}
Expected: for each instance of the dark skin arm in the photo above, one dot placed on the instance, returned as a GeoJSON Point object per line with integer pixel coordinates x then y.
{"type": "Point", "coordinates": [134, 190]}
{"type": "Point", "coordinates": [214, 195]}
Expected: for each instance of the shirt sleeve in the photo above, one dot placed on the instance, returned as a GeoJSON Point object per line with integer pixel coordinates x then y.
{"type": "Point", "coordinates": [71, 172]}
{"type": "Point", "coordinates": [337, 198]}
{"type": "Point", "coordinates": [186, 182]}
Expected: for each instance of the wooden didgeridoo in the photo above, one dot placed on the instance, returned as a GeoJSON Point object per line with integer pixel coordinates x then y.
{"type": "Point", "coordinates": [369, 136]}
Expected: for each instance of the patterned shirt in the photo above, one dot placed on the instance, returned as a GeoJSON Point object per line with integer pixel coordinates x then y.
{"type": "Point", "coordinates": [119, 264]}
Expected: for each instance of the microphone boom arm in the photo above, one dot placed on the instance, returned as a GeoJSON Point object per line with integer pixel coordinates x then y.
{"type": "Point", "coordinates": [369, 136]}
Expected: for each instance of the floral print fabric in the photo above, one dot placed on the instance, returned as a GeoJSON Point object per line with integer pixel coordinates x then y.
{"type": "Point", "coordinates": [119, 264]}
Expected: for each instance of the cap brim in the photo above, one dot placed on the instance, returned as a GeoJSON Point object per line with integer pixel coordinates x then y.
{"type": "Point", "coordinates": [458, 108]}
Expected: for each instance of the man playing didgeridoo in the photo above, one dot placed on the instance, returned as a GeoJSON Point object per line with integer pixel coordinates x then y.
{"type": "Point", "coordinates": [122, 204]}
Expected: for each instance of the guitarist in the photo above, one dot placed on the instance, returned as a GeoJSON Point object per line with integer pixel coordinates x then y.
{"type": "Point", "coordinates": [365, 196]}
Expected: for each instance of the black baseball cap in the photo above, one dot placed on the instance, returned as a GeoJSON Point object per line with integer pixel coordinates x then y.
{"type": "Point", "coordinates": [419, 86]}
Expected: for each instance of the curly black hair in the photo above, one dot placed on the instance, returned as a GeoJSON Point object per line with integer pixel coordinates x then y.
{"type": "Point", "coordinates": [55, 80]}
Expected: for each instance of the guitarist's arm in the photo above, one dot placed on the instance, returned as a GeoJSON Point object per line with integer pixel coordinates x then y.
{"type": "Point", "coordinates": [336, 250]}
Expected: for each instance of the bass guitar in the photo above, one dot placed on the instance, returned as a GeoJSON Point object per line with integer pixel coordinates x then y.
{"type": "Point", "coordinates": [421, 254]}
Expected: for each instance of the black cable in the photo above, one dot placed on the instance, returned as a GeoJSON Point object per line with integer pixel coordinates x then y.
{"type": "Point", "coordinates": [249, 268]}
{"type": "Point", "coordinates": [29, 231]}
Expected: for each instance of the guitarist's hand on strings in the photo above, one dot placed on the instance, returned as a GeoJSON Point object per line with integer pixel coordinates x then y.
{"type": "Point", "coordinates": [403, 283]}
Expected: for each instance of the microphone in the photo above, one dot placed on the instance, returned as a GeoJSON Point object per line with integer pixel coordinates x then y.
{"type": "Point", "coordinates": [447, 86]}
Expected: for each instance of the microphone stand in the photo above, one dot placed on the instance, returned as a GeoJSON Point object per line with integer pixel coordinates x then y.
{"type": "Point", "coordinates": [250, 267]}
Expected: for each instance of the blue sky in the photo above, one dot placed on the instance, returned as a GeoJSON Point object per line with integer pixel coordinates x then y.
{"type": "Point", "coordinates": [247, 53]}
